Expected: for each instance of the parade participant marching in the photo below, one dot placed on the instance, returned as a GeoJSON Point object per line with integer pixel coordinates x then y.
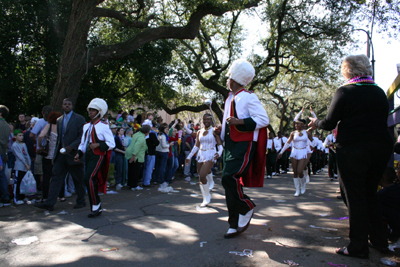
{"type": "Point", "coordinates": [97, 139]}
{"type": "Point", "coordinates": [207, 155]}
{"type": "Point", "coordinates": [329, 142]}
{"type": "Point", "coordinates": [244, 132]}
{"type": "Point", "coordinates": [299, 155]}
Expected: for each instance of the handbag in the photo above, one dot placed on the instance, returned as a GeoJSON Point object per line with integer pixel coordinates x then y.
{"type": "Point", "coordinates": [44, 151]}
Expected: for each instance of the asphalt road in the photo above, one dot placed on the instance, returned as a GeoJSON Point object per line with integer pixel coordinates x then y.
{"type": "Point", "coordinates": [166, 229]}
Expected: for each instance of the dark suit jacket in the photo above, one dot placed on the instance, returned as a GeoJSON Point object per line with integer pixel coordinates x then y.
{"type": "Point", "coordinates": [72, 136]}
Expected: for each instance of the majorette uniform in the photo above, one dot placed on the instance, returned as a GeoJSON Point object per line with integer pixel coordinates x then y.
{"type": "Point", "coordinates": [205, 153]}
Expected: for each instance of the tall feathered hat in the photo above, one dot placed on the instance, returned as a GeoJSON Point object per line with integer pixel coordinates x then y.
{"type": "Point", "coordinates": [98, 104]}
{"type": "Point", "coordinates": [241, 72]}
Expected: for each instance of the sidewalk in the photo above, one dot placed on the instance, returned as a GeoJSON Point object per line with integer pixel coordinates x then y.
{"type": "Point", "coordinates": [165, 229]}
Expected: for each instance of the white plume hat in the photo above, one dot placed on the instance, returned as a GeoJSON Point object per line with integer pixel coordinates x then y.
{"type": "Point", "coordinates": [98, 104]}
{"type": "Point", "coordinates": [241, 72]}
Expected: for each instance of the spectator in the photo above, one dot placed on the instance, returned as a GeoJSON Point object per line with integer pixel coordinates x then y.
{"type": "Point", "coordinates": [131, 117]}
{"type": "Point", "coordinates": [49, 133]}
{"type": "Point", "coordinates": [69, 134]}
{"type": "Point", "coordinates": [40, 124]}
{"type": "Point", "coordinates": [172, 162]}
{"type": "Point", "coordinates": [389, 200]}
{"type": "Point", "coordinates": [162, 151]}
{"type": "Point", "coordinates": [4, 134]}
{"type": "Point", "coordinates": [135, 155]}
{"type": "Point", "coordinates": [22, 163]}
{"type": "Point", "coordinates": [119, 114]}
{"type": "Point", "coordinates": [30, 145]}
{"type": "Point", "coordinates": [362, 153]}
{"type": "Point", "coordinates": [150, 158]}
{"type": "Point", "coordinates": [186, 146]}
{"type": "Point", "coordinates": [119, 151]}
{"type": "Point", "coordinates": [21, 122]}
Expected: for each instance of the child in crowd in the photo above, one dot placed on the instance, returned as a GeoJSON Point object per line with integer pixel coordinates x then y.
{"type": "Point", "coordinates": [22, 163]}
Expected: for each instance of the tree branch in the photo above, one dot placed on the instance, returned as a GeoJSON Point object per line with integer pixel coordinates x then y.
{"type": "Point", "coordinates": [190, 31]}
{"type": "Point", "coordinates": [109, 13]}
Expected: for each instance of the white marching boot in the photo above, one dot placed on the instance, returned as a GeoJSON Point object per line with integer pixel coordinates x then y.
{"type": "Point", "coordinates": [205, 191]}
{"type": "Point", "coordinates": [305, 173]}
{"type": "Point", "coordinates": [210, 180]}
{"type": "Point", "coordinates": [297, 186]}
{"type": "Point", "coordinates": [302, 185]}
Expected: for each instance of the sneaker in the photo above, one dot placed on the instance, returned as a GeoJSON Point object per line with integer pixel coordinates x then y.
{"type": "Point", "coordinates": [277, 174]}
{"type": "Point", "coordinates": [138, 188]}
{"type": "Point", "coordinates": [268, 176]}
{"type": "Point", "coordinates": [273, 173]}
{"type": "Point", "coordinates": [19, 202]}
{"type": "Point", "coordinates": [163, 185]}
{"type": "Point", "coordinates": [118, 187]}
{"type": "Point", "coordinates": [335, 175]}
{"type": "Point", "coordinates": [7, 203]}
{"type": "Point", "coordinates": [187, 178]}
{"type": "Point", "coordinates": [173, 177]}
{"type": "Point", "coordinates": [195, 175]}
{"type": "Point", "coordinates": [283, 172]}
{"type": "Point", "coordinates": [67, 194]}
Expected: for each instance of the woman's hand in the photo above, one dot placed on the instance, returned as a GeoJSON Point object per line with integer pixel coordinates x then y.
{"type": "Point", "coordinates": [76, 158]}
{"type": "Point", "coordinates": [217, 130]}
{"type": "Point", "coordinates": [132, 159]}
{"type": "Point", "coordinates": [27, 167]}
{"type": "Point", "coordinates": [187, 161]}
{"type": "Point", "coordinates": [279, 156]}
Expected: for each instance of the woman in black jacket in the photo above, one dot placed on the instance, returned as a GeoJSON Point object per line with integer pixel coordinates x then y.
{"type": "Point", "coordinates": [359, 110]}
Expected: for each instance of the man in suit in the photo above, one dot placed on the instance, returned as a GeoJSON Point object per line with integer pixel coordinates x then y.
{"type": "Point", "coordinates": [69, 134]}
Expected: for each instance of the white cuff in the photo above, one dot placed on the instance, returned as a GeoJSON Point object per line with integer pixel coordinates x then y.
{"type": "Point", "coordinates": [188, 131]}
{"type": "Point", "coordinates": [220, 150]}
{"type": "Point", "coordinates": [298, 116]}
{"type": "Point", "coordinates": [284, 148]}
{"type": "Point", "coordinates": [194, 150]}
{"type": "Point", "coordinates": [315, 116]}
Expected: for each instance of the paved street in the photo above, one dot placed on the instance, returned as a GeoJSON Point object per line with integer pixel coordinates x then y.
{"type": "Point", "coordinates": [166, 229]}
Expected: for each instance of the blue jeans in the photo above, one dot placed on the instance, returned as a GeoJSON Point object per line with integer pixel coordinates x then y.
{"type": "Point", "coordinates": [161, 164]}
{"type": "Point", "coordinates": [172, 166]}
{"type": "Point", "coordinates": [149, 163]}
{"type": "Point", "coordinates": [5, 196]}
{"type": "Point", "coordinates": [119, 165]}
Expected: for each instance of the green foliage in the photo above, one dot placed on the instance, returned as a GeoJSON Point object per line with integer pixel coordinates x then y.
{"type": "Point", "coordinates": [30, 45]}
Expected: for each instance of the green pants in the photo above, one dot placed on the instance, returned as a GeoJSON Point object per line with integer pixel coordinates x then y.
{"type": "Point", "coordinates": [237, 156]}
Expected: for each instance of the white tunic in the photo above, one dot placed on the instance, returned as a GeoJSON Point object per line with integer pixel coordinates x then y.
{"type": "Point", "coordinates": [207, 146]}
{"type": "Point", "coordinates": [300, 145]}
{"type": "Point", "coordinates": [247, 106]}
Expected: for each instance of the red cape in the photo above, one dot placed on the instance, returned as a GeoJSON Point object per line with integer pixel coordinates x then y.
{"type": "Point", "coordinates": [102, 174]}
{"type": "Point", "coordinates": [255, 175]}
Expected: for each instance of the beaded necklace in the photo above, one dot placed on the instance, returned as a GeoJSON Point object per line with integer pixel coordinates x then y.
{"type": "Point", "coordinates": [360, 79]}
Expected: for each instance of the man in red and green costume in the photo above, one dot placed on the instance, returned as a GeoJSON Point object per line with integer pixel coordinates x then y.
{"type": "Point", "coordinates": [97, 139]}
{"type": "Point", "coordinates": [245, 136]}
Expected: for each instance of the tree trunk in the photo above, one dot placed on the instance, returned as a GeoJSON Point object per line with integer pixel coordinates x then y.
{"type": "Point", "coordinates": [73, 58]}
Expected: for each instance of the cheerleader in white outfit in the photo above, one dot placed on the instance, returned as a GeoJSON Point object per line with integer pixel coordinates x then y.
{"type": "Point", "coordinates": [299, 155]}
{"type": "Point", "coordinates": [207, 154]}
